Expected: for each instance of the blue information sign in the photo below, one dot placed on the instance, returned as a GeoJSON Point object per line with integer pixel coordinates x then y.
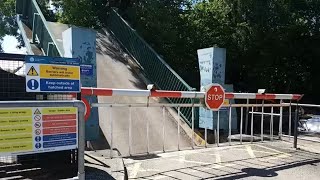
{"type": "Point", "coordinates": [38, 138]}
{"type": "Point", "coordinates": [33, 84]}
{"type": "Point", "coordinates": [38, 145]}
{"type": "Point", "coordinates": [61, 85]}
{"type": "Point", "coordinates": [52, 60]}
{"type": "Point", "coordinates": [86, 69]}
{"type": "Point", "coordinates": [59, 137]}
{"type": "Point", "coordinates": [59, 143]}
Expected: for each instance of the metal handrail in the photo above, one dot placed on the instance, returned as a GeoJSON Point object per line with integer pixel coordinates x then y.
{"type": "Point", "coordinates": [46, 26]}
{"type": "Point", "coordinates": [24, 36]}
{"type": "Point", "coordinates": [154, 67]}
{"type": "Point", "coordinates": [151, 49]}
{"type": "Point", "coordinates": [189, 105]}
{"type": "Point", "coordinates": [31, 12]}
{"type": "Point", "coordinates": [302, 105]}
{"type": "Point", "coordinates": [264, 137]}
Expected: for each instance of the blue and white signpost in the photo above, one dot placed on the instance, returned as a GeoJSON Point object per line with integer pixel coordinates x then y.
{"type": "Point", "coordinates": [81, 43]}
{"type": "Point", "coordinates": [212, 64]}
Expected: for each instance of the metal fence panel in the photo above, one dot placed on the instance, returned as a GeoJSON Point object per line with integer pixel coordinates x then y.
{"type": "Point", "coordinates": [13, 88]}
{"type": "Point", "coordinates": [43, 165]}
{"type": "Point", "coordinates": [34, 19]}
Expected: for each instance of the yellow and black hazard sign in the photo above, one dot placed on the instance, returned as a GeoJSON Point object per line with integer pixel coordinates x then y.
{"type": "Point", "coordinates": [37, 111]}
{"type": "Point", "coordinates": [32, 72]}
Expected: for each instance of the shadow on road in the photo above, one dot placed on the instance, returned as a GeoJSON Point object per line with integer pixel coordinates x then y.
{"type": "Point", "coordinates": [241, 169]}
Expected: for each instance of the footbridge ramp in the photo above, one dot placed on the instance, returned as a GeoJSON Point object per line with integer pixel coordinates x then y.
{"type": "Point", "coordinates": [115, 69]}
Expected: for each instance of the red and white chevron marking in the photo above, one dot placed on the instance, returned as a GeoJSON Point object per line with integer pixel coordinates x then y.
{"type": "Point", "coordinates": [181, 94]}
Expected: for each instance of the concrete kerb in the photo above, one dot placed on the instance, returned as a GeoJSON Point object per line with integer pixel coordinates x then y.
{"type": "Point", "coordinates": [305, 145]}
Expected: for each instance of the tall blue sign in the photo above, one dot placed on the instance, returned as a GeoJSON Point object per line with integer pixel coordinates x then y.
{"type": "Point", "coordinates": [81, 43]}
{"type": "Point", "coordinates": [212, 63]}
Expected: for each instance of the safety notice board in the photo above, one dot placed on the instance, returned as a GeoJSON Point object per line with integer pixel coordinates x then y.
{"type": "Point", "coordinates": [31, 130]}
{"type": "Point", "coordinates": [48, 74]}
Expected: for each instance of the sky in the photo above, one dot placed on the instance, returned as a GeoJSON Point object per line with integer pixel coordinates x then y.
{"type": "Point", "coordinates": [9, 45]}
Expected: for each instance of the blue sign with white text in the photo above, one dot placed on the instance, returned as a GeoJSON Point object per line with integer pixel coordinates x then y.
{"type": "Point", "coordinates": [38, 145]}
{"type": "Point", "coordinates": [38, 138]}
{"type": "Point", "coordinates": [59, 143]}
{"type": "Point", "coordinates": [58, 137]}
{"type": "Point", "coordinates": [63, 85]}
{"type": "Point", "coordinates": [52, 60]}
{"type": "Point", "coordinates": [86, 69]}
{"type": "Point", "coordinates": [33, 84]}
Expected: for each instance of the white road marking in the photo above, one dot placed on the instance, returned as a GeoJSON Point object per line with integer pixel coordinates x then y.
{"type": "Point", "coordinates": [188, 161]}
{"type": "Point", "coordinates": [277, 156]}
{"type": "Point", "coordinates": [135, 170]}
{"type": "Point", "coordinates": [146, 170]}
{"type": "Point", "coordinates": [274, 150]}
{"type": "Point", "coordinates": [217, 155]}
{"type": "Point", "coordinates": [250, 152]}
{"type": "Point", "coordinates": [159, 177]}
{"type": "Point", "coordinates": [218, 158]}
{"type": "Point", "coordinates": [218, 166]}
{"type": "Point", "coordinates": [266, 152]}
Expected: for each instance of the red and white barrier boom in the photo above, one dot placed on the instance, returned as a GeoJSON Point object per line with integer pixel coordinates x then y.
{"type": "Point", "coordinates": [88, 91]}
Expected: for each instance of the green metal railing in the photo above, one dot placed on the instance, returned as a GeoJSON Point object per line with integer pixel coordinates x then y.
{"type": "Point", "coordinates": [154, 67]}
{"type": "Point", "coordinates": [34, 19]}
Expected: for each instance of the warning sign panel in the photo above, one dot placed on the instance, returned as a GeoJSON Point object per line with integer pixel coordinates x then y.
{"type": "Point", "coordinates": [32, 72]}
{"type": "Point", "coordinates": [61, 72]}
{"type": "Point", "coordinates": [52, 74]}
{"type": "Point", "coordinates": [37, 111]}
{"type": "Point", "coordinates": [58, 110]}
{"type": "Point", "coordinates": [15, 112]}
{"type": "Point", "coordinates": [34, 130]}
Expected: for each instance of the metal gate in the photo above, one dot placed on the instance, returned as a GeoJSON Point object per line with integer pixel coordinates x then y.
{"type": "Point", "coordinates": [137, 129]}
{"type": "Point", "coordinates": [12, 80]}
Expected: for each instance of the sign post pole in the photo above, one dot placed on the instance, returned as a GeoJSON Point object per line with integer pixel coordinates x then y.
{"type": "Point", "coordinates": [81, 144]}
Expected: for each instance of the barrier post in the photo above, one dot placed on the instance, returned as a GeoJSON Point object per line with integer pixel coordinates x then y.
{"type": "Point", "coordinates": [295, 140]}
{"type": "Point", "coordinates": [81, 141]}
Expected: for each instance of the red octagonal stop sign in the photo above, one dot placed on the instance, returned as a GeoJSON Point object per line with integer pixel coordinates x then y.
{"type": "Point", "coordinates": [214, 96]}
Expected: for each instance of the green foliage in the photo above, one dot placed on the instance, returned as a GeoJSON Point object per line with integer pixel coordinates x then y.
{"type": "Point", "coordinates": [270, 43]}
{"type": "Point", "coordinates": [84, 13]}
{"type": "Point", "coordinates": [48, 14]}
{"type": "Point", "coordinates": [7, 7]}
{"type": "Point", "coordinates": [8, 24]}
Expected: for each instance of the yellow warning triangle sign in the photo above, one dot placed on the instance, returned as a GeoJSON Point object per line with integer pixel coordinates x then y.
{"type": "Point", "coordinates": [37, 111]}
{"type": "Point", "coordinates": [32, 72]}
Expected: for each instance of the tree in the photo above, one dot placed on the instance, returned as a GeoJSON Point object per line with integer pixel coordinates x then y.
{"type": "Point", "coordinates": [270, 43]}
{"type": "Point", "coordinates": [85, 13]}
{"type": "Point", "coordinates": [8, 24]}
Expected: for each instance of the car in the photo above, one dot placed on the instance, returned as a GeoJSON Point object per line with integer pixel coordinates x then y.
{"type": "Point", "coordinates": [310, 125]}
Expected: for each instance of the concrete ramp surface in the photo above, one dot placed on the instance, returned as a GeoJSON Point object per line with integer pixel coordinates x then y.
{"type": "Point", "coordinates": [115, 70]}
